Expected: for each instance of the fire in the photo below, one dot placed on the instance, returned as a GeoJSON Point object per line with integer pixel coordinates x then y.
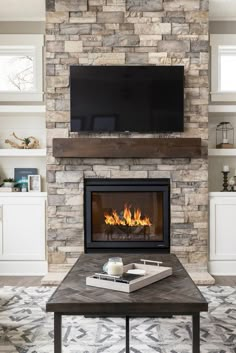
{"type": "Point", "coordinates": [128, 219]}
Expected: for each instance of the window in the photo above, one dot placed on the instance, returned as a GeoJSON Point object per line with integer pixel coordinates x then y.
{"type": "Point", "coordinates": [223, 67]}
{"type": "Point", "coordinates": [21, 67]}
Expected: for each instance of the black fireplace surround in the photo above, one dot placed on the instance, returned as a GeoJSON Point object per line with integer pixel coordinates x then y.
{"type": "Point", "coordinates": [127, 215]}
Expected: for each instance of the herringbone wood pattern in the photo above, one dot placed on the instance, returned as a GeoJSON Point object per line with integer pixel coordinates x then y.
{"type": "Point", "coordinates": [175, 294]}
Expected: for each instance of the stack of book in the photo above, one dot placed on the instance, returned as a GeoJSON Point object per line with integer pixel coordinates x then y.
{"type": "Point", "coordinates": [9, 189]}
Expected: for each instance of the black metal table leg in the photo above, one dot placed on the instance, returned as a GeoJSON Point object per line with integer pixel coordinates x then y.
{"type": "Point", "coordinates": [127, 334]}
{"type": "Point", "coordinates": [196, 332]}
{"type": "Point", "coordinates": [57, 333]}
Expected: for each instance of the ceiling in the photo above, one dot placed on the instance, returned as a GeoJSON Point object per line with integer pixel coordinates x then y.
{"type": "Point", "coordinates": [34, 10]}
{"type": "Point", "coordinates": [223, 10]}
{"type": "Point", "coordinates": [22, 10]}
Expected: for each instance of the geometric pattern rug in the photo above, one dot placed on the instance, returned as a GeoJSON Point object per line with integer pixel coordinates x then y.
{"type": "Point", "coordinates": [25, 327]}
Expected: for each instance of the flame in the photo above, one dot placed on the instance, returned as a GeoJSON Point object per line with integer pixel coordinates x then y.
{"type": "Point", "coordinates": [128, 219]}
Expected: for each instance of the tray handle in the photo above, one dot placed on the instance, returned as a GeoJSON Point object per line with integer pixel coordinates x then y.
{"type": "Point", "coordinates": [158, 263]}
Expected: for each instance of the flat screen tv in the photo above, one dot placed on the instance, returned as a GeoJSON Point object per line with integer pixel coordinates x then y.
{"type": "Point", "coordinates": [127, 98]}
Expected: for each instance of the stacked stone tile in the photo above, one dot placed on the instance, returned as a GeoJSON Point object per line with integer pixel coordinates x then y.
{"type": "Point", "coordinates": [131, 32]}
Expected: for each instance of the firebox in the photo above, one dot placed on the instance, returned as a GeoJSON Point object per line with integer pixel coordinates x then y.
{"type": "Point", "coordinates": [128, 215]}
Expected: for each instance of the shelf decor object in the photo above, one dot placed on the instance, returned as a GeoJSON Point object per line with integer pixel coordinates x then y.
{"type": "Point", "coordinates": [26, 143]}
{"type": "Point", "coordinates": [224, 135]}
{"type": "Point", "coordinates": [225, 172]}
{"type": "Point", "coordinates": [34, 183]}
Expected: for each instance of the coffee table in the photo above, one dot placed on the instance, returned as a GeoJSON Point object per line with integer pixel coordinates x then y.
{"type": "Point", "coordinates": [175, 295]}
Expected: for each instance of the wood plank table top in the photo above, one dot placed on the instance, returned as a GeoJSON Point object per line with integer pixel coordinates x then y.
{"type": "Point", "coordinates": [176, 294]}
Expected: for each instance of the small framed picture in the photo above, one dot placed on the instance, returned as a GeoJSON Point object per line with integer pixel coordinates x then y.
{"type": "Point", "coordinates": [34, 183]}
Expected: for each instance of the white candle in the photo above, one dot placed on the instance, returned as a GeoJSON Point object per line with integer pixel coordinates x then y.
{"type": "Point", "coordinates": [115, 268]}
{"type": "Point", "coordinates": [225, 168]}
{"type": "Point", "coordinates": [225, 141]}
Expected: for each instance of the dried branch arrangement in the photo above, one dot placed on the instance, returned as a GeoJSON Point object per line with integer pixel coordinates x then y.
{"type": "Point", "coordinates": [26, 143]}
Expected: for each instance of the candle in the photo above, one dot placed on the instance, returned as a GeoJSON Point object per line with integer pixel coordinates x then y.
{"type": "Point", "coordinates": [225, 168]}
{"type": "Point", "coordinates": [115, 267]}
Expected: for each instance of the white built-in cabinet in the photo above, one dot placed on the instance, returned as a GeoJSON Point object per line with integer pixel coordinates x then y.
{"type": "Point", "coordinates": [23, 234]}
{"type": "Point", "coordinates": [222, 247]}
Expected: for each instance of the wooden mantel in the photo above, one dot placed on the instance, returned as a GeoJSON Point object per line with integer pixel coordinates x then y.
{"type": "Point", "coordinates": [84, 147]}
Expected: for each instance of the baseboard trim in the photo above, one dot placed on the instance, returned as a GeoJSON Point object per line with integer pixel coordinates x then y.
{"type": "Point", "coordinates": [23, 268]}
{"type": "Point", "coordinates": [222, 268]}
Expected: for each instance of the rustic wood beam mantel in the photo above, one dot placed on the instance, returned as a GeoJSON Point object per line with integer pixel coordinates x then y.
{"type": "Point", "coordinates": [84, 147]}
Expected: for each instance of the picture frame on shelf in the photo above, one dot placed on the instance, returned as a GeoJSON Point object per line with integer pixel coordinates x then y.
{"type": "Point", "coordinates": [34, 183]}
{"type": "Point", "coordinates": [21, 175]}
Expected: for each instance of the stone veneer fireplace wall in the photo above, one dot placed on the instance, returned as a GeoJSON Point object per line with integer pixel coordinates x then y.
{"type": "Point", "coordinates": [131, 32]}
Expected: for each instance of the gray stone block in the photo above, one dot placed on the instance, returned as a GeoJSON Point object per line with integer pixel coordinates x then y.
{"type": "Point", "coordinates": [110, 17]}
{"type": "Point", "coordinates": [71, 29]}
{"type": "Point", "coordinates": [71, 5]}
{"type": "Point", "coordinates": [144, 5]}
{"type": "Point", "coordinates": [121, 40]}
{"type": "Point", "coordinates": [200, 46]}
{"type": "Point", "coordinates": [136, 58]}
{"type": "Point", "coordinates": [173, 46]}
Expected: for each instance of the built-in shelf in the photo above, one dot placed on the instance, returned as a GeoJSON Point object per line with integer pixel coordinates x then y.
{"type": "Point", "coordinates": [217, 152]}
{"type": "Point", "coordinates": [23, 153]}
{"type": "Point", "coordinates": [222, 108]}
{"type": "Point", "coordinates": [23, 194]}
{"type": "Point", "coordinates": [8, 109]}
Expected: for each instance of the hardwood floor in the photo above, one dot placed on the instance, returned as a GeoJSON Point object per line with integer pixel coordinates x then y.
{"type": "Point", "coordinates": [36, 281]}
{"type": "Point", "coordinates": [225, 280]}
{"type": "Point", "coordinates": [24, 281]}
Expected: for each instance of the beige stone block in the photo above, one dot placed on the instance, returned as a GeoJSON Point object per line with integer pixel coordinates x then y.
{"type": "Point", "coordinates": [128, 174]}
{"type": "Point", "coordinates": [197, 16]}
{"type": "Point", "coordinates": [56, 132]}
{"type": "Point", "coordinates": [152, 28]}
{"type": "Point", "coordinates": [76, 200]}
{"type": "Point", "coordinates": [190, 175]}
{"type": "Point", "coordinates": [89, 18]}
{"type": "Point", "coordinates": [158, 174]}
{"type": "Point", "coordinates": [112, 8]}
{"type": "Point", "coordinates": [58, 117]}
{"type": "Point", "coordinates": [57, 17]}
{"type": "Point", "coordinates": [57, 81]}
{"type": "Point", "coordinates": [181, 5]}
{"type": "Point", "coordinates": [196, 199]}
{"type": "Point", "coordinates": [196, 216]}
{"type": "Point", "coordinates": [74, 46]}
{"type": "Point", "coordinates": [106, 58]}
{"type": "Point", "coordinates": [69, 176]}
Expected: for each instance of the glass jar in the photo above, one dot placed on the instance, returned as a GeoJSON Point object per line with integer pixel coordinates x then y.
{"type": "Point", "coordinates": [115, 266]}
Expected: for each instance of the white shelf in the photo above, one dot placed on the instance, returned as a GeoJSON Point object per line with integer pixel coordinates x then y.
{"type": "Point", "coordinates": [7, 109]}
{"type": "Point", "coordinates": [23, 153]}
{"type": "Point", "coordinates": [23, 194]}
{"type": "Point", "coordinates": [222, 194]}
{"type": "Point", "coordinates": [216, 152]}
{"type": "Point", "coordinates": [222, 108]}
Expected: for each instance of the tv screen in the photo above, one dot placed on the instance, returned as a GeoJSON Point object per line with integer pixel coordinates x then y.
{"type": "Point", "coordinates": [127, 98]}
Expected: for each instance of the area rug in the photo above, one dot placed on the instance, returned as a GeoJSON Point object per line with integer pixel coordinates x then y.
{"type": "Point", "coordinates": [26, 328]}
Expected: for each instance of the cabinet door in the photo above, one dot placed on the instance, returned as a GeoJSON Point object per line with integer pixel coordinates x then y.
{"type": "Point", "coordinates": [223, 228]}
{"type": "Point", "coordinates": [23, 228]}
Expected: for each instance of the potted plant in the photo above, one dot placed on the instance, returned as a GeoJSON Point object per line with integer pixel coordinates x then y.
{"type": "Point", "coordinates": [8, 183]}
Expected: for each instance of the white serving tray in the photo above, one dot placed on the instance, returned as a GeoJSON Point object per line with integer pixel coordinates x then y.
{"type": "Point", "coordinates": [153, 274]}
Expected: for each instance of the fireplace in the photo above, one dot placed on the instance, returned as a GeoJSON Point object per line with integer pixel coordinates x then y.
{"type": "Point", "coordinates": [127, 215]}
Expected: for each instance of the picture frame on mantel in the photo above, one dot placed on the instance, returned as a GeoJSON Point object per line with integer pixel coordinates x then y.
{"type": "Point", "coordinates": [34, 183]}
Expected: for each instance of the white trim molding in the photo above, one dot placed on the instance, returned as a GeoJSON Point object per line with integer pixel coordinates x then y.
{"type": "Point", "coordinates": [219, 43]}
{"type": "Point", "coordinates": [25, 43]}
